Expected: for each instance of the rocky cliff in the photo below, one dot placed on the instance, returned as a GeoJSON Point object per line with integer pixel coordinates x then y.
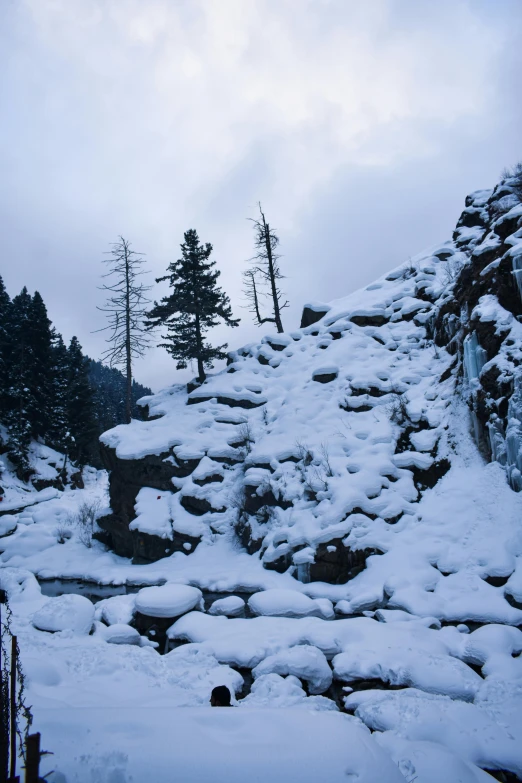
{"type": "Point", "coordinates": [340, 447]}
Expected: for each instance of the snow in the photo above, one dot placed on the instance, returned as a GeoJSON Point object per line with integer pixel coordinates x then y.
{"type": "Point", "coordinates": [465, 729]}
{"type": "Point", "coordinates": [350, 478]}
{"type": "Point", "coordinates": [65, 613]}
{"type": "Point", "coordinates": [169, 600]}
{"type": "Point", "coordinates": [303, 661]}
{"type": "Point", "coordinates": [231, 606]}
{"type": "Point", "coordinates": [337, 748]}
{"type": "Point", "coordinates": [120, 634]}
{"type": "Point", "coordinates": [286, 603]}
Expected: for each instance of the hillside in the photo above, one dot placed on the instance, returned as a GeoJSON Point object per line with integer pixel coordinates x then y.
{"type": "Point", "coordinates": [331, 523]}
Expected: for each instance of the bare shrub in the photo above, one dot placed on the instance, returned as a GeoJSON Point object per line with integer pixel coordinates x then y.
{"type": "Point", "coordinates": [247, 437]}
{"type": "Point", "coordinates": [451, 272]}
{"type": "Point", "coordinates": [85, 521]}
{"type": "Point", "coordinates": [397, 408]}
{"type": "Point", "coordinates": [515, 174]}
{"type": "Point", "coordinates": [304, 453]}
{"type": "Point", "coordinates": [62, 532]}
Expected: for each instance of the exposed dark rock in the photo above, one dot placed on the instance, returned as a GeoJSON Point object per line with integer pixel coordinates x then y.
{"type": "Point", "coordinates": [40, 484]}
{"type": "Point", "coordinates": [148, 549]}
{"type": "Point", "coordinates": [310, 316]}
{"type": "Point", "coordinates": [77, 481]}
{"type": "Point", "coordinates": [497, 581]}
{"type": "Point", "coordinates": [326, 377]}
{"type": "Point", "coordinates": [338, 566]}
{"type": "Point", "coordinates": [126, 478]}
{"type": "Point", "coordinates": [427, 478]}
{"type": "Point", "coordinates": [369, 320]}
{"type": "Point", "coordinates": [254, 502]}
{"type": "Point", "coordinates": [275, 346]}
{"type": "Point", "coordinates": [212, 479]}
{"type": "Point", "coordinates": [197, 506]}
{"type": "Point", "coordinates": [503, 776]}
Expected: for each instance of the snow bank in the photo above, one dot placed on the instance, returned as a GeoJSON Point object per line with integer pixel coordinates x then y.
{"type": "Point", "coordinates": [206, 745]}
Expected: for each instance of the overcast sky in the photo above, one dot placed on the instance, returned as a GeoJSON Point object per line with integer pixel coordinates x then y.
{"type": "Point", "coordinates": [359, 124]}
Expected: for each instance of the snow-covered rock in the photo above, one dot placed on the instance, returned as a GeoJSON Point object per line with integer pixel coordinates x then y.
{"type": "Point", "coordinates": [303, 661]}
{"type": "Point", "coordinates": [170, 600]}
{"type": "Point", "coordinates": [231, 606]}
{"type": "Point", "coordinates": [286, 603]}
{"type": "Point", "coordinates": [65, 613]}
{"type": "Point", "coordinates": [119, 633]}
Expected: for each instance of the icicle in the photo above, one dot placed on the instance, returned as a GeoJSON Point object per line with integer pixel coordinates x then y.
{"type": "Point", "coordinates": [475, 357]}
{"type": "Point", "coordinates": [517, 273]}
{"type": "Point", "coordinates": [303, 572]}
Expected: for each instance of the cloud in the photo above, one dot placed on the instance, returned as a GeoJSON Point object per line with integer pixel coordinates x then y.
{"type": "Point", "coordinates": [148, 118]}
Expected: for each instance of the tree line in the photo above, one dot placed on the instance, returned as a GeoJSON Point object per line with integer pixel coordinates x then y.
{"type": "Point", "coordinates": [50, 391]}
{"type": "Point", "coordinates": [194, 304]}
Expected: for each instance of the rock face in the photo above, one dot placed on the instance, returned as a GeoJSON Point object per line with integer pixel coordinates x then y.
{"type": "Point", "coordinates": [310, 447]}
{"type": "Point", "coordinates": [478, 320]}
{"type": "Point", "coordinates": [126, 478]}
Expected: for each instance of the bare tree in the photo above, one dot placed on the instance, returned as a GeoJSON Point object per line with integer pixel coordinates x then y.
{"type": "Point", "coordinates": [126, 311]}
{"type": "Point", "coordinates": [265, 272]}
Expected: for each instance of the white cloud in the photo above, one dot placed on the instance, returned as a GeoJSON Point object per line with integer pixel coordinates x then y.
{"type": "Point", "coordinates": [147, 117]}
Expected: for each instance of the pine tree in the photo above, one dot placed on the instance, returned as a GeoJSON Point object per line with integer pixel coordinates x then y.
{"type": "Point", "coordinates": [58, 427]}
{"type": "Point", "coordinates": [21, 402]}
{"type": "Point", "coordinates": [80, 408]}
{"type": "Point", "coordinates": [265, 274]}
{"type": "Point", "coordinates": [126, 312]}
{"type": "Point", "coordinates": [39, 338]}
{"type": "Point", "coordinates": [195, 305]}
{"type": "Point", "coordinates": [5, 343]}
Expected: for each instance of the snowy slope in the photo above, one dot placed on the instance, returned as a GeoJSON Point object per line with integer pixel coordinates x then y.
{"type": "Point", "coordinates": [344, 497]}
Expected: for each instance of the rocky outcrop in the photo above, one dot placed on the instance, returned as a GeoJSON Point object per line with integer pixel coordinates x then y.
{"type": "Point", "coordinates": [126, 478]}
{"type": "Point", "coordinates": [478, 320]}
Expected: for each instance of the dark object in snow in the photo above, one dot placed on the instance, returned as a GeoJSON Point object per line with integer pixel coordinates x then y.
{"type": "Point", "coordinates": [220, 697]}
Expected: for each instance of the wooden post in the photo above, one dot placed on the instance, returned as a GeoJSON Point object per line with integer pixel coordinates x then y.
{"type": "Point", "coordinates": [32, 763]}
{"type": "Point", "coordinates": [12, 709]}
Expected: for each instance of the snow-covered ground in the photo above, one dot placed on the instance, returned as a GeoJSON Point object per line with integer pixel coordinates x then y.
{"type": "Point", "coordinates": [353, 434]}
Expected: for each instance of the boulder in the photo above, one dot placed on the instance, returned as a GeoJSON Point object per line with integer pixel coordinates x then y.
{"type": "Point", "coordinates": [65, 613]}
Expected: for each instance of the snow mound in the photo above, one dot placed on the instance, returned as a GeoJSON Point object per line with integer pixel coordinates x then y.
{"type": "Point", "coordinates": [121, 634]}
{"type": "Point", "coordinates": [231, 606]}
{"type": "Point", "coordinates": [285, 603]}
{"type": "Point", "coordinates": [305, 662]}
{"type": "Point", "coordinates": [65, 613]}
{"type": "Point", "coordinates": [169, 600]}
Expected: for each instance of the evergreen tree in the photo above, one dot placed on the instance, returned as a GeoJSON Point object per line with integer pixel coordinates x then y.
{"type": "Point", "coordinates": [5, 342]}
{"type": "Point", "coordinates": [21, 403]}
{"type": "Point", "coordinates": [80, 408]}
{"type": "Point", "coordinates": [58, 426]}
{"type": "Point", "coordinates": [109, 386]}
{"type": "Point", "coordinates": [195, 305]}
{"type": "Point", "coordinates": [39, 338]}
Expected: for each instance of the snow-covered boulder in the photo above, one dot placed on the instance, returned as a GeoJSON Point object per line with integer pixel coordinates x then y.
{"type": "Point", "coordinates": [272, 690]}
{"type": "Point", "coordinates": [116, 610]}
{"type": "Point", "coordinates": [119, 633]}
{"type": "Point", "coordinates": [303, 661]}
{"type": "Point", "coordinates": [170, 600]}
{"type": "Point", "coordinates": [285, 603]}
{"type": "Point", "coordinates": [65, 613]}
{"type": "Point", "coordinates": [231, 606]}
